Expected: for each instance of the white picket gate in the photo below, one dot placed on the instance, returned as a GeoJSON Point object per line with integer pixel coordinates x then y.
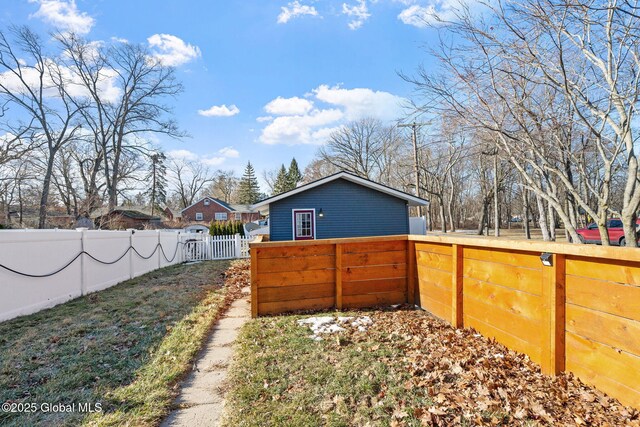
{"type": "Point", "coordinates": [217, 247]}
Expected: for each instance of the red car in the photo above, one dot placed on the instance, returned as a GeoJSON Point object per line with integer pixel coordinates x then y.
{"type": "Point", "coordinates": [591, 234]}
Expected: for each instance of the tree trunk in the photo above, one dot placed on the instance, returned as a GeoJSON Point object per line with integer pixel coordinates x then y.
{"type": "Point", "coordinates": [552, 222]}
{"type": "Point", "coordinates": [542, 219]}
{"type": "Point", "coordinates": [525, 218]}
{"type": "Point", "coordinates": [483, 217]}
{"type": "Point", "coordinates": [44, 198]}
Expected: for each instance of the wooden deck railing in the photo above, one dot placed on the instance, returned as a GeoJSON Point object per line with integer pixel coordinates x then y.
{"type": "Point", "coordinates": [580, 314]}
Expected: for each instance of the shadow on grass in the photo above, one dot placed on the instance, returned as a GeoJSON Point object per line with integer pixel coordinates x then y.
{"type": "Point", "coordinates": [119, 350]}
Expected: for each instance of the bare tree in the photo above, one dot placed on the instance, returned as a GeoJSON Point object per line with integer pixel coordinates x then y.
{"type": "Point", "coordinates": [121, 123]}
{"type": "Point", "coordinates": [361, 147]}
{"type": "Point", "coordinates": [37, 85]}
{"type": "Point", "coordinates": [188, 179]}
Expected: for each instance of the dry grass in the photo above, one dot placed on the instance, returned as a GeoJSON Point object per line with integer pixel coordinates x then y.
{"type": "Point", "coordinates": [124, 348]}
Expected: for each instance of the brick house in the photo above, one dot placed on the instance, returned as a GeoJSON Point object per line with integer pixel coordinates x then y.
{"type": "Point", "coordinates": [210, 209]}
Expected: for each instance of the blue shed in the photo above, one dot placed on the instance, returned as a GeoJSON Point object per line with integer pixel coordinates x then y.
{"type": "Point", "coordinates": [340, 205]}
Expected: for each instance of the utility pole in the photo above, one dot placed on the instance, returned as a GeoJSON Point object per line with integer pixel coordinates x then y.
{"type": "Point", "coordinates": [416, 165]}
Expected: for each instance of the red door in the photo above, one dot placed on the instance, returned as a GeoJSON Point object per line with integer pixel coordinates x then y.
{"type": "Point", "coordinates": [304, 226]}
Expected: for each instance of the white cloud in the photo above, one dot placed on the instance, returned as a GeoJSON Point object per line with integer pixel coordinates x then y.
{"type": "Point", "coordinates": [171, 50]}
{"type": "Point", "coordinates": [361, 102]}
{"type": "Point", "coordinates": [220, 111]}
{"type": "Point", "coordinates": [213, 161]}
{"type": "Point", "coordinates": [295, 9]}
{"type": "Point", "coordinates": [315, 125]}
{"type": "Point", "coordinates": [264, 119]}
{"type": "Point", "coordinates": [292, 130]}
{"type": "Point", "coordinates": [63, 15]}
{"type": "Point", "coordinates": [435, 12]}
{"type": "Point", "coordinates": [359, 12]}
{"type": "Point", "coordinates": [119, 40]}
{"type": "Point", "coordinates": [288, 106]}
{"type": "Point", "coordinates": [182, 155]}
{"type": "Point", "coordinates": [229, 152]}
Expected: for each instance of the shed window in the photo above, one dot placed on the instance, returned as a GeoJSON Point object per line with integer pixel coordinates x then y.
{"type": "Point", "coordinates": [221, 216]}
{"type": "Point", "coordinates": [198, 216]}
{"type": "Point", "coordinates": [238, 216]}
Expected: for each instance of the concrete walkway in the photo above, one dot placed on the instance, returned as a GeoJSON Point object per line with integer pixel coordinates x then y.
{"type": "Point", "coordinates": [201, 399]}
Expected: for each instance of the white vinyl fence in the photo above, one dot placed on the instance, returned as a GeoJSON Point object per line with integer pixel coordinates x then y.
{"type": "Point", "coordinates": [42, 268]}
{"type": "Point", "coordinates": [217, 247]}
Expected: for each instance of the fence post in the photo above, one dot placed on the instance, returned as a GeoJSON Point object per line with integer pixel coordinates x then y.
{"type": "Point", "coordinates": [237, 247]}
{"type": "Point", "coordinates": [254, 281]}
{"type": "Point", "coordinates": [411, 271]}
{"type": "Point", "coordinates": [553, 294]}
{"type": "Point", "coordinates": [338, 276]}
{"type": "Point", "coordinates": [131, 231]}
{"type": "Point", "coordinates": [457, 288]}
{"type": "Point", "coordinates": [83, 262]}
{"type": "Point", "coordinates": [159, 250]}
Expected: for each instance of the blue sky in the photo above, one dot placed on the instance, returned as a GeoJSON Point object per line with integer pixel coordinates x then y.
{"type": "Point", "coordinates": [264, 80]}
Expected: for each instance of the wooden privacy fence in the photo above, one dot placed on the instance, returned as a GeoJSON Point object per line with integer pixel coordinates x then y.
{"type": "Point", "coordinates": [581, 313]}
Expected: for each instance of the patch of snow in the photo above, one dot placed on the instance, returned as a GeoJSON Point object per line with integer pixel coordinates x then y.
{"type": "Point", "coordinates": [331, 325]}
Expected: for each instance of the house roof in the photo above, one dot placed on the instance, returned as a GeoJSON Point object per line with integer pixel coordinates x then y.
{"type": "Point", "coordinates": [132, 214]}
{"type": "Point", "coordinates": [411, 200]}
{"type": "Point", "coordinates": [213, 199]}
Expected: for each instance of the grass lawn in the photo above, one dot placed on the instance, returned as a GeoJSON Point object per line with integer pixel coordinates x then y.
{"type": "Point", "coordinates": [123, 348]}
{"type": "Point", "coordinates": [408, 369]}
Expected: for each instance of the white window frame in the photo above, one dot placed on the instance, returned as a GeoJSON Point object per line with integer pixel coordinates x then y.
{"type": "Point", "coordinates": [199, 216]}
{"type": "Point", "coordinates": [238, 216]}
{"type": "Point", "coordinates": [293, 222]}
{"type": "Point", "coordinates": [226, 216]}
{"type": "Point", "coordinates": [207, 202]}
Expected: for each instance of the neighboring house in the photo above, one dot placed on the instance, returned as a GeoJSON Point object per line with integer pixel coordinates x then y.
{"type": "Point", "coordinates": [210, 209]}
{"type": "Point", "coordinates": [340, 205]}
{"type": "Point", "coordinates": [196, 228]}
{"type": "Point", "coordinates": [119, 219]}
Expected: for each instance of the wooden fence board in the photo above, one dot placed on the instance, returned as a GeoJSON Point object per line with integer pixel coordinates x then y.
{"type": "Point", "coordinates": [294, 278]}
{"type": "Point", "coordinates": [279, 265]}
{"type": "Point", "coordinates": [523, 279]}
{"type": "Point", "coordinates": [300, 292]}
{"type": "Point", "coordinates": [443, 249]}
{"type": "Point", "coordinates": [438, 277]}
{"type": "Point", "coordinates": [435, 307]}
{"type": "Point", "coordinates": [370, 300]}
{"type": "Point", "coordinates": [305, 304]}
{"type": "Point", "coordinates": [371, 247]}
{"type": "Point", "coordinates": [519, 303]}
{"type": "Point", "coordinates": [604, 328]}
{"type": "Point", "coordinates": [622, 300]}
{"type": "Point", "coordinates": [294, 251]}
{"type": "Point", "coordinates": [374, 258]}
{"type": "Point", "coordinates": [434, 260]}
{"type": "Point", "coordinates": [616, 271]}
{"type": "Point", "coordinates": [373, 286]}
{"type": "Point", "coordinates": [352, 274]}
{"type": "Point", "coordinates": [501, 256]}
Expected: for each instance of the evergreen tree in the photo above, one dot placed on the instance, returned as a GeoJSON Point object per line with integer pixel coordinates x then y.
{"type": "Point", "coordinates": [294, 177]}
{"type": "Point", "coordinates": [249, 190]}
{"type": "Point", "coordinates": [282, 182]}
{"type": "Point", "coordinates": [157, 176]}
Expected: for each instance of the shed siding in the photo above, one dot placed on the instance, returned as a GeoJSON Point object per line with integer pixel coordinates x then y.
{"type": "Point", "coordinates": [350, 210]}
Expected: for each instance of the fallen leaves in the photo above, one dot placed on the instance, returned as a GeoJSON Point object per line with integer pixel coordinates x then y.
{"type": "Point", "coordinates": [469, 377]}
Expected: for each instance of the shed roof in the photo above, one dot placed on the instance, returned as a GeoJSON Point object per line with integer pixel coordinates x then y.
{"type": "Point", "coordinates": [410, 199]}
